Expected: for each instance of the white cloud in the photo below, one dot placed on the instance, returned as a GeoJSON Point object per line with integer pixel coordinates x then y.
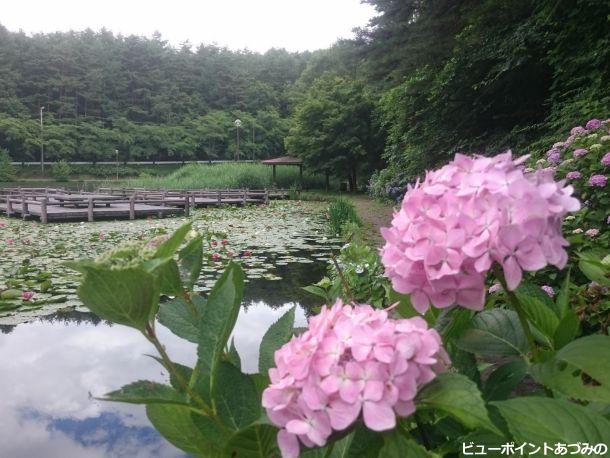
{"type": "Point", "coordinates": [256, 25]}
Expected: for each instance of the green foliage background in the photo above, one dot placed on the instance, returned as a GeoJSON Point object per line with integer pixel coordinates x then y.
{"type": "Point", "coordinates": [422, 80]}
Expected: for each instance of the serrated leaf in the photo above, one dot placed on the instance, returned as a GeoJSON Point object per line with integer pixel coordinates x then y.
{"type": "Point", "coordinates": [316, 291]}
{"type": "Point", "coordinates": [458, 396]}
{"type": "Point", "coordinates": [168, 277]}
{"type": "Point", "coordinates": [171, 245]}
{"type": "Point", "coordinates": [261, 381]}
{"type": "Point", "coordinates": [567, 329]}
{"type": "Point", "coordinates": [360, 443]}
{"type": "Point", "coordinates": [580, 370]}
{"type": "Point", "coordinates": [594, 269]}
{"type": "Point", "coordinates": [502, 381]}
{"type": "Point", "coordinates": [277, 335]}
{"type": "Point", "coordinates": [181, 318]}
{"type": "Point", "coordinates": [233, 355]}
{"type": "Point", "coordinates": [256, 441]}
{"type": "Point", "coordinates": [184, 371]}
{"type": "Point", "coordinates": [174, 422]}
{"type": "Point", "coordinates": [540, 309]}
{"type": "Point", "coordinates": [146, 392]}
{"type": "Point", "coordinates": [538, 420]}
{"type": "Point", "coordinates": [125, 296]}
{"type": "Point", "coordinates": [216, 325]}
{"type": "Point", "coordinates": [190, 260]}
{"type": "Point", "coordinates": [563, 296]}
{"type": "Point", "coordinates": [396, 445]}
{"type": "Point", "coordinates": [236, 398]}
{"type": "Point", "coordinates": [495, 332]}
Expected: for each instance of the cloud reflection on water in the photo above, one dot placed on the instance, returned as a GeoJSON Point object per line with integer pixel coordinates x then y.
{"type": "Point", "coordinates": [50, 368]}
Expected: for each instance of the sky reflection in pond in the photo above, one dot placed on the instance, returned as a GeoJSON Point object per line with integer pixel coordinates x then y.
{"type": "Point", "coordinates": [52, 366]}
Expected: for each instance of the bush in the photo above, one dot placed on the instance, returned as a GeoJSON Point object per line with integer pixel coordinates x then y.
{"type": "Point", "coordinates": [341, 211]}
{"type": "Point", "coordinates": [61, 170]}
{"type": "Point", "coordinates": [583, 160]}
{"type": "Point", "coordinates": [7, 171]}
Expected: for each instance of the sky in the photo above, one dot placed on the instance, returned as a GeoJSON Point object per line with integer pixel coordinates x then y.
{"type": "Point", "coordinates": [297, 25]}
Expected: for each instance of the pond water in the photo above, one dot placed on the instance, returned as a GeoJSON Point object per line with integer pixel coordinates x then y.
{"type": "Point", "coordinates": [55, 359]}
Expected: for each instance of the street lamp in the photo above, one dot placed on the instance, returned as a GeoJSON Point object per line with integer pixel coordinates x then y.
{"type": "Point", "coordinates": [237, 126]}
{"type": "Point", "coordinates": [41, 143]}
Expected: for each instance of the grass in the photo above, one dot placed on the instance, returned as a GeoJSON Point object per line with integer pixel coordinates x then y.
{"type": "Point", "coordinates": [253, 176]}
{"type": "Point", "coordinates": [342, 212]}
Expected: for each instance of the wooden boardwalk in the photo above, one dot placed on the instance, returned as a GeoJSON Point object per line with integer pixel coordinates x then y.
{"type": "Point", "coordinates": [64, 205]}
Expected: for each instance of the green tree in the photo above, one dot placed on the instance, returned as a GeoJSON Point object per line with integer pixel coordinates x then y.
{"type": "Point", "coordinates": [333, 129]}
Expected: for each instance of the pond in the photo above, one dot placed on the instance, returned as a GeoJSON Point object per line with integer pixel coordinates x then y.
{"type": "Point", "coordinates": [55, 358]}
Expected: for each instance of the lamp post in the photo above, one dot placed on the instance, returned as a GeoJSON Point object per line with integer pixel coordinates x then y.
{"type": "Point", "coordinates": [252, 142]}
{"type": "Point", "coordinates": [41, 143]}
{"type": "Point", "coordinates": [237, 126]}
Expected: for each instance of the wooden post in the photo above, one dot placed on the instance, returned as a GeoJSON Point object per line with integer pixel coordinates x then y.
{"type": "Point", "coordinates": [132, 207]}
{"type": "Point", "coordinates": [219, 197]}
{"type": "Point", "coordinates": [245, 198]}
{"type": "Point", "coordinates": [9, 206]}
{"type": "Point", "coordinates": [301, 175]}
{"type": "Point", "coordinates": [187, 205]}
{"type": "Point", "coordinates": [24, 208]}
{"type": "Point", "coordinates": [90, 210]}
{"type": "Point", "coordinates": [43, 210]}
{"type": "Point", "coordinates": [266, 196]}
{"type": "Point", "coordinates": [273, 173]}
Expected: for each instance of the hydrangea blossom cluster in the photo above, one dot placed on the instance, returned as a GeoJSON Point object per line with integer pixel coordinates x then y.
{"type": "Point", "coordinates": [598, 180]}
{"type": "Point", "coordinates": [553, 155]}
{"type": "Point", "coordinates": [593, 124]}
{"type": "Point", "coordinates": [351, 361]}
{"type": "Point", "coordinates": [573, 175]}
{"type": "Point", "coordinates": [464, 217]}
{"type": "Point", "coordinates": [580, 152]}
{"type": "Point", "coordinates": [606, 159]}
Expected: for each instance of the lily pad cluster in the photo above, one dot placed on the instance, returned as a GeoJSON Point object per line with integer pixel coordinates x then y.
{"type": "Point", "coordinates": [34, 280]}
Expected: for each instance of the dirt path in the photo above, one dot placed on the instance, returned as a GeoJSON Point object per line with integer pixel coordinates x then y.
{"type": "Point", "coordinates": [374, 215]}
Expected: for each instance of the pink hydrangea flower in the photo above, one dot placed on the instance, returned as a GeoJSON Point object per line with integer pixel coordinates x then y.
{"type": "Point", "coordinates": [573, 175]}
{"type": "Point", "coordinates": [580, 152]}
{"type": "Point", "coordinates": [247, 253]}
{"type": "Point", "coordinates": [464, 217]}
{"type": "Point", "coordinates": [353, 362]}
{"type": "Point", "coordinates": [495, 288]}
{"type": "Point", "coordinates": [216, 257]}
{"type": "Point", "coordinates": [27, 295]}
{"type": "Point", "coordinates": [598, 180]}
{"type": "Point", "coordinates": [214, 243]}
{"type": "Point", "coordinates": [10, 242]}
{"type": "Point", "coordinates": [224, 242]}
{"type": "Point", "coordinates": [559, 145]}
{"type": "Point", "coordinates": [606, 159]}
{"type": "Point", "coordinates": [577, 131]}
{"type": "Point", "coordinates": [102, 237]}
{"type": "Point", "coordinates": [2, 224]}
{"type": "Point", "coordinates": [592, 232]}
{"type": "Point", "coordinates": [553, 156]}
{"type": "Point", "coordinates": [549, 290]}
{"type": "Point", "coordinates": [593, 124]}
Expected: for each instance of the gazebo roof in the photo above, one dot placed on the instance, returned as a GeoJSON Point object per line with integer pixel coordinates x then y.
{"type": "Point", "coordinates": [284, 160]}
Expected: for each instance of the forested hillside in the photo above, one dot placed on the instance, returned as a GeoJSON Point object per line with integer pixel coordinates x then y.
{"type": "Point", "coordinates": [424, 79]}
{"type": "Point", "coordinates": [103, 92]}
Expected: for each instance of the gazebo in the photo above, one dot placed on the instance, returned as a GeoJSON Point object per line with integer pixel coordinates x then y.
{"type": "Point", "coordinates": [286, 160]}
